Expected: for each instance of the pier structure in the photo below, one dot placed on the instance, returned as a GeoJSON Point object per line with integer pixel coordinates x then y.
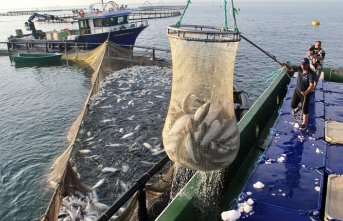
{"type": "Point", "coordinates": [31, 11]}
{"type": "Point", "coordinates": [143, 12]}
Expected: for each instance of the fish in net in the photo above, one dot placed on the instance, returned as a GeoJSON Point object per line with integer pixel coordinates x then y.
{"type": "Point", "coordinates": [200, 131]}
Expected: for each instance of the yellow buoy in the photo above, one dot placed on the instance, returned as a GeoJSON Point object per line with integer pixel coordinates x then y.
{"type": "Point", "coordinates": [315, 23]}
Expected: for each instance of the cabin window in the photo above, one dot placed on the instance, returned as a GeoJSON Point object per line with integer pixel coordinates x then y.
{"type": "Point", "coordinates": [107, 22]}
{"type": "Point", "coordinates": [97, 22]}
{"type": "Point", "coordinates": [84, 26]}
{"type": "Point", "coordinates": [122, 20]}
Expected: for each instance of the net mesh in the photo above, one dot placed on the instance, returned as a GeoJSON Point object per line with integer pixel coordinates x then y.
{"type": "Point", "coordinates": [104, 60]}
{"type": "Point", "coordinates": [200, 131]}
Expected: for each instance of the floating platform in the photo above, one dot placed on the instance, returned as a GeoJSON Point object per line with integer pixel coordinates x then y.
{"type": "Point", "coordinates": [295, 163]}
{"type": "Point", "coordinates": [301, 171]}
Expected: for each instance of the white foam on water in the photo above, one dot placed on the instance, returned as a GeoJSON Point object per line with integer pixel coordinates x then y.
{"type": "Point", "coordinates": [258, 185]}
{"type": "Point", "coordinates": [296, 125]}
{"type": "Point", "coordinates": [317, 150]}
{"type": "Point", "coordinates": [249, 193]}
{"type": "Point", "coordinates": [317, 188]}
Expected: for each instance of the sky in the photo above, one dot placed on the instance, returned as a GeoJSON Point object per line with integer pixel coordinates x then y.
{"type": "Point", "coordinates": [12, 4]}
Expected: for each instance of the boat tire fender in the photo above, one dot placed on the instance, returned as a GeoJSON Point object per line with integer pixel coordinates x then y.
{"type": "Point", "coordinates": [31, 46]}
{"type": "Point", "coordinates": [245, 103]}
{"type": "Point", "coordinates": [61, 46]}
{"type": "Point", "coordinates": [81, 13]}
{"type": "Point", "coordinates": [11, 46]}
{"type": "Point", "coordinates": [50, 46]}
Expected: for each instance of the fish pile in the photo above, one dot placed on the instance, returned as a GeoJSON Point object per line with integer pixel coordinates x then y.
{"type": "Point", "coordinates": [207, 136]}
{"type": "Point", "coordinates": [120, 138]}
{"type": "Point", "coordinates": [80, 207]}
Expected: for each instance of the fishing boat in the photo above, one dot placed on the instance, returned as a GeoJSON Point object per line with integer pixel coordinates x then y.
{"type": "Point", "coordinates": [29, 58]}
{"type": "Point", "coordinates": [101, 22]}
{"type": "Point", "coordinates": [280, 173]}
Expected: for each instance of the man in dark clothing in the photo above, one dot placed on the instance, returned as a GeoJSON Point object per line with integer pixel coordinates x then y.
{"type": "Point", "coordinates": [316, 66]}
{"type": "Point", "coordinates": [303, 89]}
{"type": "Point", "coordinates": [317, 50]}
{"type": "Point", "coordinates": [316, 55]}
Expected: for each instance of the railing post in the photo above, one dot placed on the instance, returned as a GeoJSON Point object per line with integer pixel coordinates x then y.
{"type": "Point", "coordinates": [131, 52]}
{"type": "Point", "coordinates": [142, 210]}
{"type": "Point", "coordinates": [153, 54]}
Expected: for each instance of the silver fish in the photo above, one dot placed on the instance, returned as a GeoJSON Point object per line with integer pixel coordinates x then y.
{"type": "Point", "coordinates": [201, 113]}
{"type": "Point", "coordinates": [85, 151]}
{"type": "Point", "coordinates": [109, 170]}
{"type": "Point", "coordinates": [127, 135]}
{"type": "Point", "coordinates": [147, 145]}
{"type": "Point", "coordinates": [212, 133]}
{"type": "Point", "coordinates": [180, 124]}
{"type": "Point", "coordinates": [99, 183]}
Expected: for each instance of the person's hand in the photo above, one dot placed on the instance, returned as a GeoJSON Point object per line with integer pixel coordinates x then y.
{"type": "Point", "coordinates": [303, 93]}
{"type": "Point", "coordinates": [287, 67]}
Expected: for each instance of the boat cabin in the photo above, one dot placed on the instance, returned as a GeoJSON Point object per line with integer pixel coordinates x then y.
{"type": "Point", "coordinates": [109, 19]}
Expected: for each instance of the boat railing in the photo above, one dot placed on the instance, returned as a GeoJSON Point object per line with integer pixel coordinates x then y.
{"type": "Point", "coordinates": [7, 48]}
{"type": "Point", "coordinates": [139, 188]}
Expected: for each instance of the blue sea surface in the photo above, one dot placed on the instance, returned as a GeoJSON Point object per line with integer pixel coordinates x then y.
{"type": "Point", "coordinates": [39, 104]}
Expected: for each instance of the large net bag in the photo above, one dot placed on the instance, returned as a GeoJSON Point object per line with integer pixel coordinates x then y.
{"type": "Point", "coordinates": [200, 131]}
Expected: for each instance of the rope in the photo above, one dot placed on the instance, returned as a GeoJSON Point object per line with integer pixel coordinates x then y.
{"type": "Point", "coordinates": [234, 12]}
{"type": "Point", "coordinates": [225, 16]}
{"type": "Point", "coordinates": [267, 53]}
{"type": "Point", "coordinates": [270, 76]}
{"type": "Point", "coordinates": [178, 23]}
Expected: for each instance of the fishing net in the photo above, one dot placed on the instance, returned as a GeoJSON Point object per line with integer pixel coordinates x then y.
{"type": "Point", "coordinates": [200, 131]}
{"type": "Point", "coordinates": [104, 60]}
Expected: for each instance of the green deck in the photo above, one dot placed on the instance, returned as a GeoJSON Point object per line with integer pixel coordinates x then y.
{"type": "Point", "coordinates": [254, 128]}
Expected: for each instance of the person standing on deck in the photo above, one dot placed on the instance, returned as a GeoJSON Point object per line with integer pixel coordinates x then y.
{"type": "Point", "coordinates": [303, 89]}
{"type": "Point", "coordinates": [316, 55]}
{"type": "Point", "coordinates": [316, 66]}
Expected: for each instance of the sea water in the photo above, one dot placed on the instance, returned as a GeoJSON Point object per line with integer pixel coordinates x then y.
{"type": "Point", "coordinates": [39, 104]}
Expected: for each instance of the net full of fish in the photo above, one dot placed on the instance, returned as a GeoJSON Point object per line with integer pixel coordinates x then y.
{"type": "Point", "coordinates": [200, 131]}
{"type": "Point", "coordinates": [120, 137]}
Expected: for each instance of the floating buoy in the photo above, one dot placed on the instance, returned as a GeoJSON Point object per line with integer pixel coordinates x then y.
{"type": "Point", "coordinates": [315, 23]}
